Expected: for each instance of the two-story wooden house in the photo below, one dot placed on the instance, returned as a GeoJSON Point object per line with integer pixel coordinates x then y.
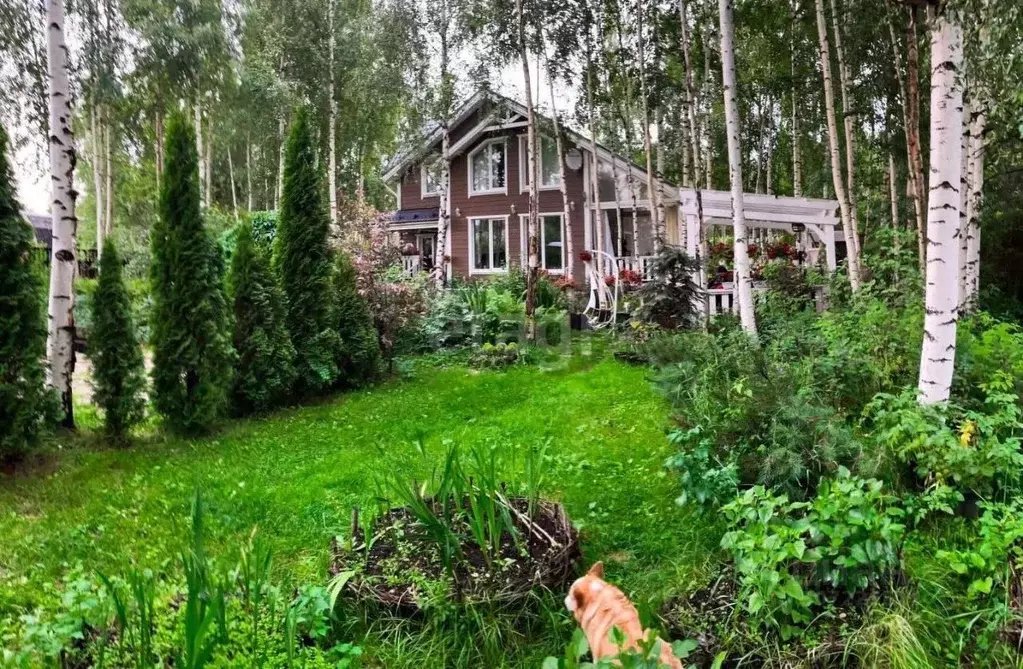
{"type": "Point", "coordinates": [489, 196]}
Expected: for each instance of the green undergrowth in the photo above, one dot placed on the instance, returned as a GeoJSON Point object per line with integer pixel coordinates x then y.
{"type": "Point", "coordinates": [82, 509]}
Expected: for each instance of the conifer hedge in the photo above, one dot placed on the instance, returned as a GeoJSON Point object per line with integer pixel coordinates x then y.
{"type": "Point", "coordinates": [265, 370]}
{"type": "Point", "coordinates": [360, 346]}
{"type": "Point", "coordinates": [302, 261]}
{"type": "Point", "coordinates": [192, 355]}
{"type": "Point", "coordinates": [25, 402]}
{"type": "Point", "coordinates": [118, 374]}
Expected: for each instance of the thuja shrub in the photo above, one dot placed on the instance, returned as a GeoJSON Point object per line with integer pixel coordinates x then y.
{"type": "Point", "coordinates": [265, 370]}
{"type": "Point", "coordinates": [190, 333]}
{"type": "Point", "coordinates": [25, 403]}
{"type": "Point", "coordinates": [118, 375]}
{"type": "Point", "coordinates": [302, 262]}
{"type": "Point", "coordinates": [669, 299]}
{"type": "Point", "coordinates": [359, 352]}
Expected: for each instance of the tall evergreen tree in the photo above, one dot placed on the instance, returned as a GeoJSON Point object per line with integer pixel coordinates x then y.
{"type": "Point", "coordinates": [302, 261]}
{"type": "Point", "coordinates": [118, 370]}
{"type": "Point", "coordinates": [24, 398]}
{"type": "Point", "coordinates": [190, 340]}
{"type": "Point", "coordinates": [266, 359]}
{"type": "Point", "coordinates": [360, 346]}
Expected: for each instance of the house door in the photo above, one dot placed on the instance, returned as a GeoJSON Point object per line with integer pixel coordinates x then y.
{"type": "Point", "coordinates": [427, 249]}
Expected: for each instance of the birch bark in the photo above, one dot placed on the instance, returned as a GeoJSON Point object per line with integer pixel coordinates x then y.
{"type": "Point", "coordinates": [978, 127]}
{"type": "Point", "coordinates": [937, 355]}
{"type": "Point", "coordinates": [280, 165]}
{"type": "Point", "coordinates": [248, 172]}
{"type": "Point", "coordinates": [197, 112]}
{"type": "Point", "coordinates": [962, 230]}
{"type": "Point", "coordinates": [532, 242]}
{"type": "Point", "coordinates": [651, 190]}
{"type": "Point", "coordinates": [797, 154]}
{"type": "Point", "coordinates": [234, 191]}
{"type": "Point", "coordinates": [848, 121]}
{"type": "Point", "coordinates": [108, 218]}
{"type": "Point", "coordinates": [441, 253]}
{"type": "Point", "coordinates": [562, 172]}
{"type": "Point", "coordinates": [60, 352]}
{"type": "Point", "coordinates": [331, 130]}
{"type": "Point", "coordinates": [913, 132]}
{"type": "Point", "coordinates": [848, 224]}
{"type": "Point", "coordinates": [742, 265]}
{"type": "Point", "coordinates": [691, 102]}
{"type": "Point", "coordinates": [97, 175]}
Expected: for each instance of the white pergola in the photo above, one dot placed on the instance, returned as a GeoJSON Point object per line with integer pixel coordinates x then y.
{"type": "Point", "coordinates": [818, 218]}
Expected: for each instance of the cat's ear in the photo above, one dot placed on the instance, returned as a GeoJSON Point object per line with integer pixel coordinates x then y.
{"type": "Point", "coordinates": [597, 570]}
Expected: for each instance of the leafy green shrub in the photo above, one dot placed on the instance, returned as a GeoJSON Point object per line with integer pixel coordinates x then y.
{"type": "Point", "coordinates": [190, 325]}
{"type": "Point", "coordinates": [706, 479]}
{"type": "Point", "coordinates": [669, 299]}
{"type": "Point", "coordinates": [977, 450]}
{"type": "Point", "coordinates": [647, 656]}
{"type": "Point", "coordinates": [985, 347]}
{"type": "Point", "coordinates": [265, 370]}
{"type": "Point", "coordinates": [25, 402]}
{"type": "Point", "coordinates": [495, 356]}
{"type": "Point", "coordinates": [360, 348]}
{"type": "Point", "coordinates": [303, 264]}
{"type": "Point", "coordinates": [118, 369]}
{"type": "Point", "coordinates": [791, 557]}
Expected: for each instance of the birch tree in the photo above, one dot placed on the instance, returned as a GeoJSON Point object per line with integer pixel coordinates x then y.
{"type": "Point", "coordinates": [937, 356]}
{"type": "Point", "coordinates": [733, 126]}
{"type": "Point", "coordinates": [60, 352]}
{"type": "Point", "coordinates": [331, 123]}
{"type": "Point", "coordinates": [848, 223]}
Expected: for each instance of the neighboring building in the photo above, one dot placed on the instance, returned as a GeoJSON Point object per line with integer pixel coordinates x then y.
{"type": "Point", "coordinates": [42, 226]}
{"type": "Point", "coordinates": [490, 196]}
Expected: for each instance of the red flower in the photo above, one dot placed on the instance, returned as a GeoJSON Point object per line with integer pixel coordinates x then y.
{"type": "Point", "coordinates": [752, 250]}
{"type": "Point", "coordinates": [630, 277]}
{"type": "Point", "coordinates": [609, 280]}
{"type": "Point", "coordinates": [585, 256]}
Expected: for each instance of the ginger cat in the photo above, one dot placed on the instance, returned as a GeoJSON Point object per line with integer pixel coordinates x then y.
{"type": "Point", "coordinates": [598, 606]}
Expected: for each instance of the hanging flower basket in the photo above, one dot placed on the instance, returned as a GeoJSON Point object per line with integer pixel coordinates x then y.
{"type": "Point", "coordinates": [585, 256]}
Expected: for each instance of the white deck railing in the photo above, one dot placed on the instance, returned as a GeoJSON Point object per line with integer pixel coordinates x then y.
{"type": "Point", "coordinates": [411, 265]}
{"type": "Point", "coordinates": [642, 265]}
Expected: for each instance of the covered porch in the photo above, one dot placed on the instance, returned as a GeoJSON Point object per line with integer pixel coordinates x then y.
{"type": "Point", "coordinates": [415, 233]}
{"type": "Point", "coordinates": [803, 230]}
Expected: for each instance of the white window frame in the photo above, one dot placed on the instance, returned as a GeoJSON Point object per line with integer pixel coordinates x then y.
{"type": "Point", "coordinates": [524, 235]}
{"type": "Point", "coordinates": [524, 163]}
{"type": "Point", "coordinates": [472, 245]}
{"type": "Point", "coordinates": [491, 191]}
{"type": "Point", "coordinates": [423, 170]}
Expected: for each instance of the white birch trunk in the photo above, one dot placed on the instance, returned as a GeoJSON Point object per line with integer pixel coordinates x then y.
{"type": "Point", "coordinates": [60, 352]}
{"type": "Point", "coordinates": [707, 110]}
{"type": "Point", "coordinates": [651, 190]}
{"type": "Point", "coordinates": [691, 102]}
{"type": "Point", "coordinates": [978, 128]}
{"type": "Point", "coordinates": [732, 123]}
{"type": "Point", "coordinates": [97, 176]}
{"type": "Point", "coordinates": [159, 149]}
{"type": "Point", "coordinates": [533, 242]}
{"type": "Point", "coordinates": [207, 161]}
{"type": "Point", "coordinates": [234, 191]}
{"type": "Point", "coordinates": [913, 133]}
{"type": "Point", "coordinates": [937, 355]}
{"type": "Point", "coordinates": [797, 154]}
{"type": "Point", "coordinates": [197, 114]}
{"type": "Point", "coordinates": [248, 171]}
{"type": "Point", "coordinates": [108, 219]}
{"type": "Point", "coordinates": [280, 166]}
{"type": "Point", "coordinates": [660, 174]}
{"type": "Point", "coordinates": [962, 230]}
{"type": "Point", "coordinates": [849, 126]}
{"type": "Point", "coordinates": [595, 217]}
{"type": "Point", "coordinates": [331, 129]}
{"type": "Point", "coordinates": [848, 224]}
{"type": "Point", "coordinates": [562, 174]}
{"type": "Point", "coordinates": [893, 191]}
{"type": "Point", "coordinates": [444, 211]}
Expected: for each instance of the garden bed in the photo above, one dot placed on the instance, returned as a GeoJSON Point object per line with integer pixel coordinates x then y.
{"type": "Point", "coordinates": [402, 564]}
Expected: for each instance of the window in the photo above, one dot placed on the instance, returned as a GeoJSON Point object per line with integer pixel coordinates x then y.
{"type": "Point", "coordinates": [430, 179]}
{"type": "Point", "coordinates": [486, 168]}
{"type": "Point", "coordinates": [549, 167]}
{"type": "Point", "coordinates": [552, 241]}
{"type": "Point", "coordinates": [488, 244]}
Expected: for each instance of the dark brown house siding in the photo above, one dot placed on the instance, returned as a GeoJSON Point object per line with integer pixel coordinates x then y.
{"type": "Point", "coordinates": [464, 207]}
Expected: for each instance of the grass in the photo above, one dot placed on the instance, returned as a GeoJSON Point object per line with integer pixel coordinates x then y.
{"type": "Point", "coordinates": [297, 474]}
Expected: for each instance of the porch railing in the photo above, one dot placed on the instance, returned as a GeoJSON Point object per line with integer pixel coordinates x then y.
{"type": "Point", "coordinates": [642, 265]}
{"type": "Point", "coordinates": [411, 265]}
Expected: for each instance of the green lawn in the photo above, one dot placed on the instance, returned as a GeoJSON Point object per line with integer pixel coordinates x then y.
{"type": "Point", "coordinates": [297, 474]}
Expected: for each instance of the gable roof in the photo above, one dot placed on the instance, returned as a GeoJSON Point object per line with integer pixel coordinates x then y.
{"type": "Point", "coordinates": [434, 134]}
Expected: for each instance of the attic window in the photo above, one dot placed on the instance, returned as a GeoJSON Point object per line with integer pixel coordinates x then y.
{"type": "Point", "coordinates": [487, 168]}
{"type": "Point", "coordinates": [430, 179]}
{"type": "Point", "coordinates": [549, 166]}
